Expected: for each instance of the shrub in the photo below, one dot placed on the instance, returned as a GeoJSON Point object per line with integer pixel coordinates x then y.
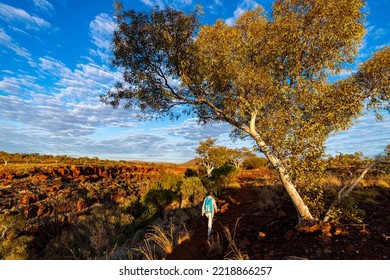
{"type": "Point", "coordinates": [192, 191]}
{"type": "Point", "coordinates": [14, 244]}
{"type": "Point", "coordinates": [169, 181]}
{"type": "Point", "coordinates": [158, 198]}
{"type": "Point", "coordinates": [255, 162]}
{"type": "Point", "coordinates": [346, 211]}
{"type": "Point", "coordinates": [222, 177]}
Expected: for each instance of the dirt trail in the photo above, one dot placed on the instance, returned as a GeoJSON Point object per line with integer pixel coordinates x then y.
{"type": "Point", "coordinates": [232, 206]}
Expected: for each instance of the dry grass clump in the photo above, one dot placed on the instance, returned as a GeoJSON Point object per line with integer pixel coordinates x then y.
{"type": "Point", "coordinates": [165, 241]}
{"type": "Point", "coordinates": [331, 181]}
{"type": "Point", "coordinates": [267, 197]}
{"type": "Point", "coordinates": [183, 235]}
{"type": "Point", "coordinates": [158, 243]}
{"type": "Point", "coordinates": [382, 181]}
{"type": "Point", "coordinates": [215, 247]}
{"type": "Point", "coordinates": [234, 252]}
{"type": "Point", "coordinates": [148, 250]}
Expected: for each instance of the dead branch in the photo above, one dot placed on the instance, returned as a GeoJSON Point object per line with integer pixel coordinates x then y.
{"type": "Point", "coordinates": [344, 192]}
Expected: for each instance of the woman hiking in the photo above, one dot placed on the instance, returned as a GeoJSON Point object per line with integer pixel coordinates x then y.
{"type": "Point", "coordinates": [209, 208]}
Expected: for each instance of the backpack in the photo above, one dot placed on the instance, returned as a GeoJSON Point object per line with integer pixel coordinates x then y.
{"type": "Point", "coordinates": [208, 205]}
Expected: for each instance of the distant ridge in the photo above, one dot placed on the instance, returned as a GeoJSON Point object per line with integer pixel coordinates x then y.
{"type": "Point", "coordinates": [194, 161]}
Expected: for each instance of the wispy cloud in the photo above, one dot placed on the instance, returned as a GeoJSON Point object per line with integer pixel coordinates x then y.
{"type": "Point", "coordinates": [215, 7]}
{"type": "Point", "coordinates": [365, 136]}
{"type": "Point", "coordinates": [7, 42]}
{"type": "Point", "coordinates": [162, 4]}
{"type": "Point", "coordinates": [245, 5]}
{"type": "Point", "coordinates": [101, 32]}
{"type": "Point", "coordinates": [20, 84]}
{"type": "Point", "coordinates": [44, 6]}
{"type": "Point", "coordinates": [191, 130]}
{"type": "Point", "coordinates": [379, 33]}
{"type": "Point", "coordinates": [15, 15]}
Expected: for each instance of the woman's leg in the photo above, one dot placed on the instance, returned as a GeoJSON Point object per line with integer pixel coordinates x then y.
{"type": "Point", "coordinates": [210, 224]}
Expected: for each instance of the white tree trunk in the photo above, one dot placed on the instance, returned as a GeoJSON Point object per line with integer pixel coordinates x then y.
{"type": "Point", "coordinates": [300, 205]}
{"type": "Point", "coordinates": [209, 168]}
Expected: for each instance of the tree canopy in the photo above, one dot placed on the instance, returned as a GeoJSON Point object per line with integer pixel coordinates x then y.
{"type": "Point", "coordinates": [266, 75]}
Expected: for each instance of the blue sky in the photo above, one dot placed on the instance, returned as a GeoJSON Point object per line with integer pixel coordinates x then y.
{"type": "Point", "coordinates": [54, 65]}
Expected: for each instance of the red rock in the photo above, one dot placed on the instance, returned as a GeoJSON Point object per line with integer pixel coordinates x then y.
{"type": "Point", "coordinates": [27, 199]}
{"type": "Point", "coordinates": [53, 188]}
{"type": "Point", "coordinates": [81, 205]}
{"type": "Point", "coordinates": [31, 211]}
{"type": "Point", "coordinates": [75, 171]}
{"type": "Point", "coordinates": [82, 179]}
{"type": "Point", "coordinates": [224, 208]}
{"type": "Point", "coordinates": [44, 210]}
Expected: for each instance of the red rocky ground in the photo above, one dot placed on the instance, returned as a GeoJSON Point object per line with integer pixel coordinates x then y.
{"type": "Point", "coordinates": [269, 231]}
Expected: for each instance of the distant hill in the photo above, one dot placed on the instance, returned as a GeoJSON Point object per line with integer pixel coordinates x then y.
{"type": "Point", "coordinates": [194, 161]}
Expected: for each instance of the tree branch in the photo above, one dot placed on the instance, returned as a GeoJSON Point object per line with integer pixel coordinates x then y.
{"type": "Point", "coordinates": [344, 192]}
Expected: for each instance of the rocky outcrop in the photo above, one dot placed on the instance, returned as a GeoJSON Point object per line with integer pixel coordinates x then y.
{"type": "Point", "coordinates": [58, 190]}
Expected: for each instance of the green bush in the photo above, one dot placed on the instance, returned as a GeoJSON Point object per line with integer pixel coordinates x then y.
{"type": "Point", "coordinates": [192, 191]}
{"type": "Point", "coordinates": [347, 211]}
{"type": "Point", "coordinates": [225, 176]}
{"type": "Point", "coordinates": [158, 198]}
{"type": "Point", "coordinates": [255, 162]}
{"type": "Point", "coordinates": [14, 244]}
{"type": "Point", "coordinates": [169, 181]}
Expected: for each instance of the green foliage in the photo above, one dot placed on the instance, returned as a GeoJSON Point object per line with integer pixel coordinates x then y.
{"type": "Point", "coordinates": [314, 198]}
{"type": "Point", "coordinates": [211, 155]}
{"type": "Point", "coordinates": [347, 211]}
{"type": "Point", "coordinates": [192, 190]}
{"type": "Point", "coordinates": [14, 244]}
{"type": "Point", "coordinates": [158, 198]}
{"type": "Point", "coordinates": [223, 177]}
{"type": "Point", "coordinates": [169, 181]}
{"type": "Point", "coordinates": [162, 192]}
{"type": "Point", "coordinates": [254, 162]}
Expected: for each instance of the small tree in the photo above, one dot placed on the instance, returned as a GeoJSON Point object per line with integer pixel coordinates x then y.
{"type": "Point", "coordinates": [211, 156]}
{"type": "Point", "coordinates": [238, 156]}
{"type": "Point", "coordinates": [346, 190]}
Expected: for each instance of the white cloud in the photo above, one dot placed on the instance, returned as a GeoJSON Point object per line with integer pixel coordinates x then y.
{"type": "Point", "coordinates": [162, 4]}
{"type": "Point", "coordinates": [367, 136]}
{"type": "Point", "coordinates": [101, 32]}
{"type": "Point", "coordinates": [53, 67]}
{"type": "Point", "coordinates": [7, 42]}
{"type": "Point", "coordinates": [245, 5]}
{"type": "Point", "coordinates": [379, 33]}
{"type": "Point", "coordinates": [20, 85]}
{"type": "Point", "coordinates": [12, 15]}
{"type": "Point", "coordinates": [153, 3]}
{"type": "Point", "coordinates": [192, 131]}
{"type": "Point", "coordinates": [44, 5]}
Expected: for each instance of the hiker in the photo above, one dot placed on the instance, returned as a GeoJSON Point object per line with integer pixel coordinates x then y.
{"type": "Point", "coordinates": [209, 208]}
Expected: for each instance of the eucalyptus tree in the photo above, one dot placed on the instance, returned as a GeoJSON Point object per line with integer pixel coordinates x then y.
{"type": "Point", "coordinates": [211, 155]}
{"type": "Point", "coordinates": [266, 75]}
